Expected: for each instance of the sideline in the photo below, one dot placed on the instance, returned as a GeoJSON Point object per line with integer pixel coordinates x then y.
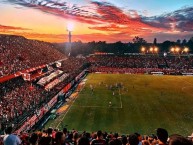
{"type": "Point", "coordinates": [66, 112]}
{"type": "Point", "coordinates": [70, 106]}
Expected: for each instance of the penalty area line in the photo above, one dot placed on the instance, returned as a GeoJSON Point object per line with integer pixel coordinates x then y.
{"type": "Point", "coordinates": [95, 106]}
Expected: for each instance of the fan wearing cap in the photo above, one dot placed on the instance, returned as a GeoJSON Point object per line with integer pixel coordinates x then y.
{"type": "Point", "coordinates": [162, 135]}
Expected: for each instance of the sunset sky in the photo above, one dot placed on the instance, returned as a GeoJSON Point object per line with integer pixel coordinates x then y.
{"type": "Point", "coordinates": [95, 20]}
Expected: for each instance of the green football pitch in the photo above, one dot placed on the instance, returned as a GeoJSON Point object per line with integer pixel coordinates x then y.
{"type": "Point", "coordinates": [127, 103]}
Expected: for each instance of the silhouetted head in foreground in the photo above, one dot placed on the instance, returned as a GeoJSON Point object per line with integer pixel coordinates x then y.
{"type": "Point", "coordinates": [179, 140]}
{"type": "Point", "coordinates": [133, 139]}
{"type": "Point", "coordinates": [162, 135]}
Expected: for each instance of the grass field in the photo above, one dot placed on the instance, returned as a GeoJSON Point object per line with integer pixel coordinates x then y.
{"type": "Point", "coordinates": [142, 104]}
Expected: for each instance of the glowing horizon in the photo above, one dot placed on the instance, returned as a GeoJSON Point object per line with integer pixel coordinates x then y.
{"type": "Point", "coordinates": [99, 20]}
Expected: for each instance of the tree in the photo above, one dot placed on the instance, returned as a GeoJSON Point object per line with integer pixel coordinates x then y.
{"type": "Point", "coordinates": [191, 39]}
{"type": "Point", "coordinates": [119, 47]}
{"type": "Point", "coordinates": [138, 40]}
{"type": "Point", "coordinates": [166, 45]}
{"type": "Point", "coordinates": [178, 41]}
{"type": "Point", "coordinates": [138, 43]}
{"type": "Point", "coordinates": [184, 42]}
{"type": "Point", "coordinates": [190, 44]}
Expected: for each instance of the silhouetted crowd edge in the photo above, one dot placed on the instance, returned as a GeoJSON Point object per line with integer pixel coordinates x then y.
{"type": "Point", "coordinates": [64, 137]}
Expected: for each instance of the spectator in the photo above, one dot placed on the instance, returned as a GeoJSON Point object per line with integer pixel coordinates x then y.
{"type": "Point", "coordinates": [11, 139]}
{"type": "Point", "coordinates": [162, 135]}
{"type": "Point", "coordinates": [65, 131]}
{"type": "Point", "coordinates": [178, 140]}
{"type": "Point", "coordinates": [116, 140]}
{"type": "Point", "coordinates": [75, 138]}
{"type": "Point", "coordinates": [112, 142]}
{"type": "Point", "coordinates": [124, 140]}
{"type": "Point", "coordinates": [46, 138]}
{"type": "Point", "coordinates": [139, 137]}
{"type": "Point", "coordinates": [60, 138]}
{"type": "Point", "coordinates": [145, 142]}
{"type": "Point", "coordinates": [191, 137]}
{"type": "Point", "coordinates": [99, 140]}
{"type": "Point", "coordinates": [83, 141]}
{"type": "Point", "coordinates": [133, 139]}
{"type": "Point", "coordinates": [33, 139]}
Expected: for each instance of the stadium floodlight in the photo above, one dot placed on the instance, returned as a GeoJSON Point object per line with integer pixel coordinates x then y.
{"type": "Point", "coordinates": [177, 49]}
{"type": "Point", "coordinates": [172, 49]}
{"type": "Point", "coordinates": [143, 49]}
{"type": "Point", "coordinates": [186, 49]}
{"type": "Point", "coordinates": [69, 29]}
{"type": "Point", "coordinates": [151, 49]}
{"type": "Point", "coordinates": [156, 49]}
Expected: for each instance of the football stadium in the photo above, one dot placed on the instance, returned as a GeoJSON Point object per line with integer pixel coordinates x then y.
{"type": "Point", "coordinates": [96, 73]}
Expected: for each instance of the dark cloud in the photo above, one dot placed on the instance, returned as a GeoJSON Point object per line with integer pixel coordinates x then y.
{"type": "Point", "coordinates": [61, 9]}
{"type": "Point", "coordinates": [161, 37]}
{"type": "Point", "coordinates": [100, 12]}
{"type": "Point", "coordinates": [180, 20]}
{"type": "Point", "coordinates": [112, 14]}
{"type": "Point", "coordinates": [184, 26]}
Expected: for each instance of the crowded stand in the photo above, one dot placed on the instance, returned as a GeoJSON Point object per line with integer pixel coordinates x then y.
{"type": "Point", "coordinates": [21, 99]}
{"type": "Point", "coordinates": [38, 72]}
{"type": "Point", "coordinates": [141, 64]}
{"type": "Point", "coordinates": [18, 53]}
{"type": "Point", "coordinates": [52, 136]}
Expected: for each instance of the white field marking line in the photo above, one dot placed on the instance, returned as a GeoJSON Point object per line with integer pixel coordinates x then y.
{"type": "Point", "coordinates": [187, 87]}
{"type": "Point", "coordinates": [68, 109]}
{"type": "Point", "coordinates": [95, 106]}
{"type": "Point", "coordinates": [121, 102]}
{"type": "Point", "coordinates": [191, 85]}
{"type": "Point", "coordinates": [121, 105]}
{"type": "Point", "coordinates": [66, 113]}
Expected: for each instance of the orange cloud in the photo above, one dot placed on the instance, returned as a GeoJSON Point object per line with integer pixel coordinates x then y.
{"type": "Point", "coordinates": [4, 28]}
{"type": "Point", "coordinates": [112, 37]}
{"type": "Point", "coordinates": [106, 22]}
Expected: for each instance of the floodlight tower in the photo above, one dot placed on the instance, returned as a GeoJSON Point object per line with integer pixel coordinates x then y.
{"type": "Point", "coordinates": [69, 29]}
{"type": "Point", "coordinates": [70, 43]}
